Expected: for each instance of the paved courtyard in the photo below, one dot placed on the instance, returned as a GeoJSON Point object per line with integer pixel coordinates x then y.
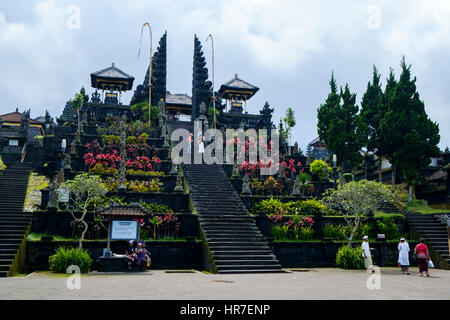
{"type": "Point", "coordinates": [323, 283]}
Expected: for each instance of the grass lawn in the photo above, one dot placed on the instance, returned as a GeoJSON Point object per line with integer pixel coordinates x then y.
{"type": "Point", "coordinates": [418, 205]}
{"type": "Point", "coordinates": [381, 214]}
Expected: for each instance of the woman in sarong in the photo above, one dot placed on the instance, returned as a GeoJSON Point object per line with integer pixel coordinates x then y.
{"type": "Point", "coordinates": [423, 256]}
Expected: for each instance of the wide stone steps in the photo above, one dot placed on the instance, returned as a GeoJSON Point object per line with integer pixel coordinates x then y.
{"type": "Point", "coordinates": [234, 241]}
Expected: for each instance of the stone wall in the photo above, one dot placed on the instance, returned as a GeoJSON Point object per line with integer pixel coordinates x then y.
{"type": "Point", "coordinates": [165, 254]}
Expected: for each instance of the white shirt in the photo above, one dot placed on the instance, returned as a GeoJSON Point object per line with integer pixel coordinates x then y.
{"type": "Point", "coordinates": [366, 248]}
{"type": "Point", "coordinates": [403, 253]}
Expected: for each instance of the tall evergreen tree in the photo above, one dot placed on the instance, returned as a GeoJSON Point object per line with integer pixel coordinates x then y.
{"type": "Point", "coordinates": [406, 124]}
{"type": "Point", "coordinates": [201, 87]}
{"type": "Point", "coordinates": [372, 111]}
{"type": "Point", "coordinates": [340, 126]}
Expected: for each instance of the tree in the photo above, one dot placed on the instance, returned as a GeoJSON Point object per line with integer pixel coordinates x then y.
{"type": "Point", "coordinates": [77, 104]}
{"type": "Point", "coordinates": [340, 126]}
{"type": "Point", "coordinates": [85, 193]}
{"type": "Point", "coordinates": [289, 122]}
{"type": "Point", "coordinates": [355, 200]}
{"type": "Point", "coordinates": [372, 111]}
{"type": "Point", "coordinates": [410, 130]}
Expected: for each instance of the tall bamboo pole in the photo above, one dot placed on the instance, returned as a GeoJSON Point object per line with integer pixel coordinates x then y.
{"type": "Point", "coordinates": [212, 60]}
{"type": "Point", "coordinates": [150, 70]}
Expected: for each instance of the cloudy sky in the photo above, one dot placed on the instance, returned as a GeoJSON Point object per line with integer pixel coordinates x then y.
{"type": "Point", "coordinates": [286, 48]}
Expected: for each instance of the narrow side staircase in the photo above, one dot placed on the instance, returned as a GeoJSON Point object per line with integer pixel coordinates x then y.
{"type": "Point", "coordinates": [234, 241]}
{"type": "Point", "coordinates": [434, 232]}
{"type": "Point", "coordinates": [14, 223]}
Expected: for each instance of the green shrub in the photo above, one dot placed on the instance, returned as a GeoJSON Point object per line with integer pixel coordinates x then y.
{"type": "Point", "coordinates": [350, 258]}
{"type": "Point", "coordinates": [317, 166]}
{"type": "Point", "coordinates": [363, 230]}
{"type": "Point", "coordinates": [335, 232]}
{"type": "Point", "coordinates": [389, 228]}
{"type": "Point", "coordinates": [2, 164]}
{"type": "Point", "coordinates": [110, 139]}
{"type": "Point", "coordinates": [268, 206]}
{"type": "Point", "coordinates": [64, 258]}
{"type": "Point", "coordinates": [306, 233]}
{"type": "Point", "coordinates": [280, 232]}
{"type": "Point", "coordinates": [308, 207]}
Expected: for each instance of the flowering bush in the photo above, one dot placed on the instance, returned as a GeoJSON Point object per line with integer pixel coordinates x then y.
{"type": "Point", "coordinates": [140, 156]}
{"type": "Point", "coordinates": [297, 228]}
{"type": "Point", "coordinates": [164, 226]}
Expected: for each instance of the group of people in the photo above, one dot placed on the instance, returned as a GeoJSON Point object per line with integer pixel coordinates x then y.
{"type": "Point", "coordinates": [138, 255]}
{"type": "Point", "coordinates": [201, 145]}
{"type": "Point", "coordinates": [421, 254]}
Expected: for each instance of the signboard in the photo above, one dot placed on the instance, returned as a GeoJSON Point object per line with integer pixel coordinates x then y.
{"type": "Point", "coordinates": [63, 195]}
{"type": "Point", "coordinates": [124, 230]}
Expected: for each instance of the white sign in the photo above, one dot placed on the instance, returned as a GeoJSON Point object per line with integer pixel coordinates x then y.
{"type": "Point", "coordinates": [63, 195]}
{"type": "Point", "coordinates": [124, 230]}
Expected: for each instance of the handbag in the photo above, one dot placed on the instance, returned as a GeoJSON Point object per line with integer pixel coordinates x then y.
{"type": "Point", "coordinates": [430, 264]}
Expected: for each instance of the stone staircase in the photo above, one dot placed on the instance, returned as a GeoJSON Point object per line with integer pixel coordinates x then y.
{"type": "Point", "coordinates": [426, 226]}
{"type": "Point", "coordinates": [434, 232]}
{"type": "Point", "coordinates": [389, 207]}
{"type": "Point", "coordinates": [14, 224]}
{"type": "Point", "coordinates": [234, 241]}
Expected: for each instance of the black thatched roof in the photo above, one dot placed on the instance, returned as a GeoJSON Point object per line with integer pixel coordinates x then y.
{"type": "Point", "coordinates": [237, 86]}
{"type": "Point", "coordinates": [112, 78]}
{"type": "Point", "coordinates": [119, 210]}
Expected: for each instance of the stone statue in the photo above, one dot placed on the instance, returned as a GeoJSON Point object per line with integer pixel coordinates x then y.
{"type": "Point", "coordinates": [85, 118]}
{"type": "Point", "coordinates": [73, 147]}
{"type": "Point", "coordinates": [174, 169]}
{"type": "Point", "coordinates": [281, 170]}
{"type": "Point", "coordinates": [52, 195]}
{"type": "Point", "coordinates": [67, 162]}
{"type": "Point", "coordinates": [179, 186]}
{"type": "Point", "coordinates": [245, 185]}
{"type": "Point", "coordinates": [325, 175]}
{"type": "Point", "coordinates": [60, 177]}
{"type": "Point", "coordinates": [296, 187]}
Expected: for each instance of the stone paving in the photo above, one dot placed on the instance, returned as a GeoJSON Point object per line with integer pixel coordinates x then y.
{"type": "Point", "coordinates": [320, 283]}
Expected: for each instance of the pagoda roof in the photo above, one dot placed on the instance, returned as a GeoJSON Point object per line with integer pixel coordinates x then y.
{"type": "Point", "coordinates": [238, 87]}
{"type": "Point", "coordinates": [316, 141]}
{"type": "Point", "coordinates": [16, 117]}
{"type": "Point", "coordinates": [178, 98]}
{"type": "Point", "coordinates": [112, 78]}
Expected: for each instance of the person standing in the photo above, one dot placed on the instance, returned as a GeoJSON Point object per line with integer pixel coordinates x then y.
{"type": "Point", "coordinates": [366, 254]}
{"type": "Point", "coordinates": [403, 256]}
{"type": "Point", "coordinates": [423, 256]}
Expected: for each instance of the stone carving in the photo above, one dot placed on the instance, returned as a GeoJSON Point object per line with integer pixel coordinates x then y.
{"type": "Point", "coordinates": [95, 97]}
{"type": "Point", "coordinates": [200, 85]}
{"type": "Point", "coordinates": [325, 173]}
{"type": "Point", "coordinates": [179, 186]}
{"type": "Point", "coordinates": [443, 218]}
{"type": "Point", "coordinates": [296, 187]}
{"type": "Point", "coordinates": [245, 185]}
{"type": "Point", "coordinates": [52, 195]}
{"type": "Point", "coordinates": [67, 162]}
{"type": "Point", "coordinates": [73, 147]}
